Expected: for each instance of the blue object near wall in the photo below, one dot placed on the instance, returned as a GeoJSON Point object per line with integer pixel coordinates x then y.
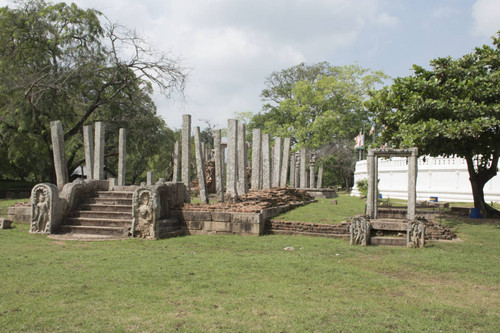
{"type": "Point", "coordinates": [475, 213]}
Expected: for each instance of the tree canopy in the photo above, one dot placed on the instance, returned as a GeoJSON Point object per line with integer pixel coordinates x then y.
{"type": "Point", "coordinates": [317, 104]}
{"type": "Point", "coordinates": [451, 109]}
{"type": "Point", "coordinates": [59, 62]}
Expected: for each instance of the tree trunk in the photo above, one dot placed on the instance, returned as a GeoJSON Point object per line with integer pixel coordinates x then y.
{"type": "Point", "coordinates": [477, 181]}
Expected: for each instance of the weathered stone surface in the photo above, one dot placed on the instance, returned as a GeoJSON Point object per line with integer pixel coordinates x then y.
{"type": "Point", "coordinates": [221, 216]}
{"type": "Point", "coordinates": [297, 170]}
{"type": "Point", "coordinates": [59, 153]}
{"type": "Point", "coordinates": [88, 143]}
{"type": "Point", "coordinates": [5, 223]}
{"type": "Point", "coordinates": [303, 172]}
{"type": "Point", "coordinates": [186, 155]}
{"type": "Point", "coordinates": [122, 165]}
{"type": "Point", "coordinates": [242, 160]}
{"type": "Point", "coordinates": [292, 170]}
{"type": "Point", "coordinates": [99, 151]}
{"type": "Point", "coordinates": [45, 209]}
{"type": "Point", "coordinates": [256, 159]}
{"type": "Point", "coordinates": [284, 162]}
{"type": "Point", "coordinates": [415, 234]}
{"type": "Point", "coordinates": [312, 166]}
{"type": "Point", "coordinates": [393, 225]}
{"type": "Point", "coordinates": [320, 177]}
{"type": "Point", "coordinates": [266, 162]}
{"type": "Point", "coordinates": [359, 231]}
{"type": "Point", "coordinates": [200, 166]}
{"type": "Point", "coordinates": [232, 160]}
{"type": "Point", "coordinates": [149, 178]}
{"type": "Point", "coordinates": [276, 167]}
{"type": "Point", "coordinates": [219, 164]}
{"type": "Point", "coordinates": [175, 158]}
{"type": "Point", "coordinates": [388, 241]}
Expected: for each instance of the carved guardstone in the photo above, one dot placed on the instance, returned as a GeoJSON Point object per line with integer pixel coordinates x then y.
{"type": "Point", "coordinates": [359, 231]}
{"type": "Point", "coordinates": [43, 208]}
{"type": "Point", "coordinates": [415, 234]}
{"type": "Point", "coordinates": [144, 214]}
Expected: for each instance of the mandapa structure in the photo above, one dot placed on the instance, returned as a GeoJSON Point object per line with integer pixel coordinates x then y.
{"type": "Point", "coordinates": [369, 229]}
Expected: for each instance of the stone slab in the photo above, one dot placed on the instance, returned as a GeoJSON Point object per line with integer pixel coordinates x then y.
{"type": "Point", "coordinates": [388, 241]}
{"type": "Point", "coordinates": [388, 225]}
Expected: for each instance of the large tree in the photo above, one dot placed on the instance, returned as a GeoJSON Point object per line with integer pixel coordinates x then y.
{"type": "Point", "coordinates": [318, 104]}
{"type": "Point", "coordinates": [453, 109]}
{"type": "Point", "coordinates": [58, 61]}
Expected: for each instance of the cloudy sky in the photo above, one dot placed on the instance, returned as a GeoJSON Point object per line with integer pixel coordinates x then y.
{"type": "Point", "coordinates": [232, 45]}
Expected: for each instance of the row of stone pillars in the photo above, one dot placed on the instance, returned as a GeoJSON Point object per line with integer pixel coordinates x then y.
{"type": "Point", "coordinates": [94, 153]}
{"type": "Point", "coordinates": [267, 171]}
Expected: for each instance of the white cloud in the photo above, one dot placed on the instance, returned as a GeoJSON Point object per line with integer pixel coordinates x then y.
{"type": "Point", "coordinates": [384, 19]}
{"type": "Point", "coordinates": [486, 15]}
{"type": "Point", "coordinates": [444, 12]}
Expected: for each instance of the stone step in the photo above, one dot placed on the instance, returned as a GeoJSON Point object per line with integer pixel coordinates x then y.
{"type": "Point", "coordinates": [389, 224]}
{"type": "Point", "coordinates": [110, 201]}
{"type": "Point", "coordinates": [92, 222]}
{"type": "Point", "coordinates": [94, 230]}
{"type": "Point", "coordinates": [106, 208]}
{"type": "Point", "coordinates": [96, 214]}
{"type": "Point", "coordinates": [390, 241]}
{"type": "Point", "coordinates": [115, 194]}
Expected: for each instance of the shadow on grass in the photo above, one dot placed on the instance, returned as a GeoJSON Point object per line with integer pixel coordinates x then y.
{"type": "Point", "coordinates": [453, 220]}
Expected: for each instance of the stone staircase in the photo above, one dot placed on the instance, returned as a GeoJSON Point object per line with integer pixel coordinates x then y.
{"type": "Point", "coordinates": [109, 213]}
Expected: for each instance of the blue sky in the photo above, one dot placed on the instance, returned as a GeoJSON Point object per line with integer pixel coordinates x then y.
{"type": "Point", "coordinates": [231, 46]}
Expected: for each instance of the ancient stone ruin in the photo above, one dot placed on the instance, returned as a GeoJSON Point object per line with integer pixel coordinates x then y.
{"type": "Point", "coordinates": [370, 229]}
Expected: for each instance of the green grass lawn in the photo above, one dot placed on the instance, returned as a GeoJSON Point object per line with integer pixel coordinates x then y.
{"type": "Point", "coordinates": [242, 284]}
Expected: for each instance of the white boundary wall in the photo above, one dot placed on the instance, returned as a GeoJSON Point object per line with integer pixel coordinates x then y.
{"type": "Point", "coordinates": [445, 178]}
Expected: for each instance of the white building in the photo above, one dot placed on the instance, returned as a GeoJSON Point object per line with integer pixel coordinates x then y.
{"type": "Point", "coordinates": [445, 178]}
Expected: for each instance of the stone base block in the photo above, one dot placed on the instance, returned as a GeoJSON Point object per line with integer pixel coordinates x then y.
{"type": "Point", "coordinates": [5, 223]}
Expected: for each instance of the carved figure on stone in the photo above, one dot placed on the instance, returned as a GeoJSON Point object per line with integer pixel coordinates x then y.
{"type": "Point", "coordinates": [359, 231]}
{"type": "Point", "coordinates": [41, 211]}
{"type": "Point", "coordinates": [416, 234]}
{"type": "Point", "coordinates": [145, 216]}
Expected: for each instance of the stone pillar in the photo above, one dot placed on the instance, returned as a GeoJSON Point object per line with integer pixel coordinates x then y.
{"type": "Point", "coordinates": [312, 171]}
{"type": "Point", "coordinates": [284, 162]}
{"type": "Point", "coordinates": [292, 170]}
{"type": "Point", "coordinates": [275, 180]}
{"type": "Point", "coordinates": [200, 166]}
{"type": "Point", "coordinates": [175, 173]}
{"type": "Point", "coordinates": [122, 166]}
{"type": "Point", "coordinates": [371, 200]}
{"type": "Point", "coordinates": [266, 163]}
{"type": "Point", "coordinates": [59, 153]}
{"type": "Point", "coordinates": [99, 151]}
{"type": "Point", "coordinates": [297, 170]}
{"type": "Point", "coordinates": [256, 158]}
{"type": "Point", "coordinates": [412, 184]}
{"type": "Point", "coordinates": [242, 159]}
{"type": "Point", "coordinates": [303, 173]}
{"type": "Point", "coordinates": [186, 155]}
{"type": "Point", "coordinates": [232, 160]}
{"type": "Point", "coordinates": [88, 143]}
{"type": "Point", "coordinates": [219, 163]}
{"type": "Point", "coordinates": [320, 177]}
{"type": "Point", "coordinates": [150, 178]}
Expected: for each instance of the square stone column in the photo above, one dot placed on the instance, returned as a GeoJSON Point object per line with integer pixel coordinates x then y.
{"type": "Point", "coordinates": [59, 153]}
{"type": "Point", "coordinates": [412, 184]}
{"type": "Point", "coordinates": [232, 160]}
{"type": "Point", "coordinates": [99, 151]}
{"type": "Point", "coordinates": [371, 200]}
{"type": "Point", "coordinates": [292, 170]}
{"type": "Point", "coordinates": [219, 164]}
{"type": "Point", "coordinates": [312, 173]}
{"type": "Point", "coordinates": [303, 172]}
{"type": "Point", "coordinates": [175, 157]}
{"type": "Point", "coordinates": [320, 177]}
{"type": "Point", "coordinates": [256, 158]}
{"type": "Point", "coordinates": [276, 173]}
{"type": "Point", "coordinates": [200, 166]}
{"type": "Point", "coordinates": [266, 162]}
{"type": "Point", "coordinates": [88, 142]}
{"type": "Point", "coordinates": [284, 162]}
{"type": "Point", "coordinates": [297, 170]}
{"type": "Point", "coordinates": [242, 160]}
{"type": "Point", "coordinates": [122, 166]}
{"type": "Point", "coordinates": [186, 155]}
{"type": "Point", "coordinates": [150, 178]}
